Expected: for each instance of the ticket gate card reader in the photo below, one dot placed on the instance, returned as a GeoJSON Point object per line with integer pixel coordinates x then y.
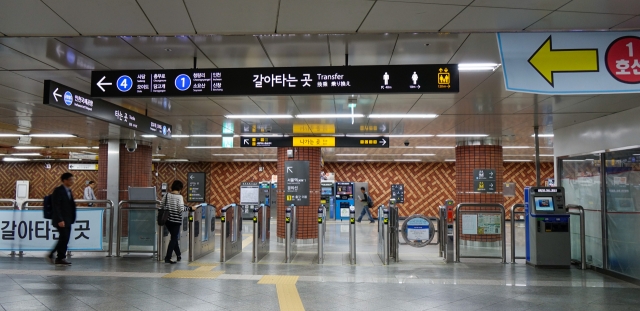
{"type": "Point", "coordinates": [344, 199]}
{"type": "Point", "coordinates": [548, 238]}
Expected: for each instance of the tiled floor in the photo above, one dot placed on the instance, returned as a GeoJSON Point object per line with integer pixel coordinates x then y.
{"type": "Point", "coordinates": [420, 281]}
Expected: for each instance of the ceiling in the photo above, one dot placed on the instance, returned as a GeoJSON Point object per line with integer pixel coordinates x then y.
{"type": "Point", "coordinates": [66, 39]}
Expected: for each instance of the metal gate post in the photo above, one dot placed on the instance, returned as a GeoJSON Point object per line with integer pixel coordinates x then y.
{"type": "Point", "coordinates": [352, 235]}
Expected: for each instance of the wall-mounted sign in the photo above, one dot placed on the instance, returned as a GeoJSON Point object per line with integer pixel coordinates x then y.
{"type": "Point", "coordinates": [484, 180]}
{"type": "Point", "coordinates": [397, 192]}
{"type": "Point", "coordinates": [484, 174]}
{"type": "Point", "coordinates": [296, 183]}
{"type": "Point", "coordinates": [83, 166]}
{"type": "Point", "coordinates": [64, 97]}
{"type": "Point", "coordinates": [82, 156]}
{"type": "Point", "coordinates": [484, 186]}
{"type": "Point", "coordinates": [197, 187]}
{"type": "Point", "coordinates": [571, 62]}
{"type": "Point", "coordinates": [442, 78]}
{"type": "Point", "coordinates": [249, 193]}
{"type": "Point", "coordinates": [315, 141]}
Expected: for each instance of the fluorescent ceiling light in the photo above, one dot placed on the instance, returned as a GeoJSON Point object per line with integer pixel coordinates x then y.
{"type": "Point", "coordinates": [351, 154]}
{"type": "Point", "coordinates": [377, 160]}
{"type": "Point", "coordinates": [334, 135]}
{"type": "Point", "coordinates": [203, 147]}
{"type": "Point", "coordinates": [514, 155]}
{"type": "Point", "coordinates": [350, 160]}
{"type": "Point", "coordinates": [26, 154]}
{"type": "Point", "coordinates": [179, 136]}
{"type": "Point", "coordinates": [176, 160]}
{"type": "Point", "coordinates": [544, 155]}
{"type": "Point", "coordinates": [53, 135]}
{"type": "Point", "coordinates": [269, 160]}
{"type": "Point", "coordinates": [14, 159]}
{"type": "Point", "coordinates": [206, 135]}
{"type": "Point", "coordinates": [259, 116]}
{"type": "Point", "coordinates": [517, 160]}
{"type": "Point", "coordinates": [80, 147]}
{"type": "Point", "coordinates": [96, 147]}
{"type": "Point", "coordinates": [450, 160]}
{"type": "Point", "coordinates": [246, 160]}
{"type": "Point", "coordinates": [155, 160]}
{"type": "Point", "coordinates": [435, 147]}
{"type": "Point", "coordinates": [403, 147]}
{"type": "Point", "coordinates": [462, 135]}
{"type": "Point", "coordinates": [411, 135]}
{"type": "Point", "coordinates": [228, 155]}
{"type": "Point", "coordinates": [148, 136]}
{"type": "Point", "coordinates": [407, 160]}
{"type": "Point", "coordinates": [542, 135]}
{"type": "Point", "coordinates": [516, 147]}
{"type": "Point", "coordinates": [28, 147]}
{"type": "Point", "coordinates": [403, 116]}
{"type": "Point", "coordinates": [364, 135]}
{"type": "Point", "coordinates": [478, 67]}
{"type": "Point", "coordinates": [418, 154]}
{"type": "Point", "coordinates": [10, 135]}
{"type": "Point", "coordinates": [263, 135]}
{"type": "Point", "coordinates": [329, 116]}
{"type": "Point", "coordinates": [158, 155]}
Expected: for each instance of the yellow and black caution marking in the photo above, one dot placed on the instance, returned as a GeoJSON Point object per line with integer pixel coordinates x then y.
{"type": "Point", "coordinates": [203, 272]}
{"type": "Point", "coordinates": [288, 296]}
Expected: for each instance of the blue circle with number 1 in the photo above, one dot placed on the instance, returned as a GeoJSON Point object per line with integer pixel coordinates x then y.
{"type": "Point", "coordinates": [183, 82]}
{"type": "Point", "coordinates": [124, 83]}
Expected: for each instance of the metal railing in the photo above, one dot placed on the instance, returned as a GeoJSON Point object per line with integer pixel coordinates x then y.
{"type": "Point", "coordinates": [583, 251]}
{"type": "Point", "coordinates": [291, 228]}
{"type": "Point", "coordinates": [458, 228]}
{"type": "Point", "coordinates": [231, 238]}
{"type": "Point", "coordinates": [513, 231]}
{"type": "Point", "coordinates": [13, 205]}
{"type": "Point", "coordinates": [121, 208]}
{"type": "Point", "coordinates": [352, 234]}
{"type": "Point", "coordinates": [108, 207]}
{"type": "Point", "coordinates": [203, 216]}
{"type": "Point", "coordinates": [383, 234]}
{"type": "Point", "coordinates": [261, 232]}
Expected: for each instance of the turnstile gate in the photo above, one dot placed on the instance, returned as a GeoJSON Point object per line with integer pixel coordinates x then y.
{"type": "Point", "coordinates": [202, 227]}
{"type": "Point", "coordinates": [291, 228]}
{"type": "Point", "coordinates": [261, 232]}
{"type": "Point", "coordinates": [231, 237]}
{"type": "Point", "coordinates": [383, 234]}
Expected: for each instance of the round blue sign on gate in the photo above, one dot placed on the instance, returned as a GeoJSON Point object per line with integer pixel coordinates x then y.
{"type": "Point", "coordinates": [68, 98]}
{"type": "Point", "coordinates": [124, 83]}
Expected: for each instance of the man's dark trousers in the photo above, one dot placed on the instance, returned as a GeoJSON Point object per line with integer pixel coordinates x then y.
{"type": "Point", "coordinates": [64, 235]}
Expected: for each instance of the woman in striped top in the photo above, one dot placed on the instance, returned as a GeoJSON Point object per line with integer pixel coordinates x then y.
{"type": "Point", "coordinates": [174, 202]}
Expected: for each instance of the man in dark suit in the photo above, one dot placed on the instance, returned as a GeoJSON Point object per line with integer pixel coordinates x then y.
{"type": "Point", "coordinates": [63, 217]}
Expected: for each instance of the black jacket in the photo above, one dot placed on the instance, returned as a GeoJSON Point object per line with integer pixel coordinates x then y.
{"type": "Point", "coordinates": [63, 208]}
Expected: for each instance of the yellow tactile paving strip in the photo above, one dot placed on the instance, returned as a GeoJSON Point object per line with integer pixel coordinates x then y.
{"type": "Point", "coordinates": [247, 240]}
{"type": "Point", "coordinates": [288, 296]}
{"type": "Point", "coordinates": [203, 272]}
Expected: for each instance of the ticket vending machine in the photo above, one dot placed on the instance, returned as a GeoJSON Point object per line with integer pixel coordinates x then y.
{"type": "Point", "coordinates": [344, 199]}
{"type": "Point", "coordinates": [327, 197]}
{"type": "Point", "coordinates": [265, 193]}
{"type": "Point", "coordinates": [548, 238]}
{"type": "Point", "coordinates": [273, 200]}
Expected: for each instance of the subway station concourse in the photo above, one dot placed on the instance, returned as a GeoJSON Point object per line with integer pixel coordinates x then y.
{"type": "Point", "coordinates": [331, 154]}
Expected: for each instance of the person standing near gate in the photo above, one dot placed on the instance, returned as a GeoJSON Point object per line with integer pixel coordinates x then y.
{"type": "Point", "coordinates": [368, 203]}
{"type": "Point", "coordinates": [174, 202]}
{"type": "Point", "coordinates": [63, 215]}
{"type": "Point", "coordinates": [88, 192]}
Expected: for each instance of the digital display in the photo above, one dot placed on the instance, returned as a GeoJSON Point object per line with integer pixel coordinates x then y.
{"type": "Point", "coordinates": [326, 191]}
{"type": "Point", "coordinates": [385, 79]}
{"type": "Point", "coordinates": [544, 204]}
{"type": "Point", "coordinates": [344, 190]}
{"type": "Point", "coordinates": [319, 142]}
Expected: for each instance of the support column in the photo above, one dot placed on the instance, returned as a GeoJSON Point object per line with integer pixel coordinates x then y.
{"type": "Point", "coordinates": [109, 176]}
{"type": "Point", "coordinates": [307, 215]}
{"type": "Point", "coordinates": [478, 155]}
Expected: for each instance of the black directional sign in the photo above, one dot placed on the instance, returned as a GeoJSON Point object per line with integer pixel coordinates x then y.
{"type": "Point", "coordinates": [64, 97]}
{"type": "Point", "coordinates": [397, 192]}
{"type": "Point", "coordinates": [442, 78]}
{"type": "Point", "coordinates": [197, 187]}
{"type": "Point", "coordinates": [484, 174]}
{"type": "Point", "coordinates": [296, 174]}
{"type": "Point", "coordinates": [485, 186]}
{"type": "Point", "coordinates": [315, 141]}
{"type": "Point", "coordinates": [484, 180]}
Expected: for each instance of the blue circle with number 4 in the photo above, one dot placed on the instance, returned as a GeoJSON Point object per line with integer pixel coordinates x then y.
{"type": "Point", "coordinates": [183, 82]}
{"type": "Point", "coordinates": [124, 83]}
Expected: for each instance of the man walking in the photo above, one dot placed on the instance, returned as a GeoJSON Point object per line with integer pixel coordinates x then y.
{"type": "Point", "coordinates": [366, 206]}
{"type": "Point", "coordinates": [63, 216]}
{"type": "Point", "coordinates": [88, 192]}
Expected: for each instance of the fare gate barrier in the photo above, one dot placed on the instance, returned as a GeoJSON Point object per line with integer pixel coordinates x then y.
{"type": "Point", "coordinates": [158, 245]}
{"type": "Point", "coordinates": [231, 237]}
{"type": "Point", "coordinates": [107, 233]}
{"type": "Point", "coordinates": [513, 231]}
{"type": "Point", "coordinates": [446, 236]}
{"type": "Point", "coordinates": [394, 232]}
{"type": "Point", "coordinates": [261, 232]}
{"type": "Point", "coordinates": [579, 211]}
{"type": "Point", "coordinates": [322, 225]}
{"type": "Point", "coordinates": [202, 227]}
{"type": "Point", "coordinates": [13, 206]}
{"type": "Point", "coordinates": [383, 234]}
{"type": "Point", "coordinates": [291, 228]}
{"type": "Point", "coordinates": [458, 221]}
{"type": "Point", "coordinates": [352, 235]}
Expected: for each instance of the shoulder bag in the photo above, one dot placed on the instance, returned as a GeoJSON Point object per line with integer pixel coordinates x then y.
{"type": "Point", "coordinates": [163, 213]}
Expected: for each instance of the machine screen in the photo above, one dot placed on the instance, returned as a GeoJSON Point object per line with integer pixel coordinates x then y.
{"type": "Point", "coordinates": [544, 204]}
{"type": "Point", "coordinates": [345, 190]}
{"type": "Point", "coordinates": [326, 191]}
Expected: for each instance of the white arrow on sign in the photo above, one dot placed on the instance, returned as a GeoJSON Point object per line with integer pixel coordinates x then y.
{"type": "Point", "coordinates": [245, 141]}
{"type": "Point", "coordinates": [383, 128]}
{"type": "Point", "coordinates": [383, 142]}
{"type": "Point", "coordinates": [56, 95]}
{"type": "Point", "coordinates": [100, 83]}
{"type": "Point", "coordinates": [289, 169]}
{"type": "Point", "coordinates": [490, 185]}
{"type": "Point", "coordinates": [191, 177]}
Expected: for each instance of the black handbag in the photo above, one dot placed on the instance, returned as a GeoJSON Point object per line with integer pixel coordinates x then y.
{"type": "Point", "coordinates": [163, 213]}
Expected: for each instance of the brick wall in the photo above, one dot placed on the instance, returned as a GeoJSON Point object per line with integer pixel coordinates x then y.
{"type": "Point", "coordinates": [103, 167]}
{"type": "Point", "coordinates": [135, 169]}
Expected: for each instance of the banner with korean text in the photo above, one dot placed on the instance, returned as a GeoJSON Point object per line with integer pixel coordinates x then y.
{"type": "Point", "coordinates": [29, 231]}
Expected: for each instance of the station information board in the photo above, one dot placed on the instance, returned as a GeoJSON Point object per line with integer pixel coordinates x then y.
{"type": "Point", "coordinates": [315, 141]}
{"type": "Point", "coordinates": [389, 79]}
{"type": "Point", "coordinates": [197, 187]}
{"type": "Point", "coordinates": [296, 183]}
{"type": "Point", "coordinates": [64, 97]}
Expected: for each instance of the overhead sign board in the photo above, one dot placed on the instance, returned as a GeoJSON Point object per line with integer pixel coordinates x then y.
{"type": "Point", "coordinates": [296, 183]}
{"type": "Point", "coordinates": [197, 187]}
{"type": "Point", "coordinates": [315, 141]}
{"type": "Point", "coordinates": [64, 97]}
{"type": "Point", "coordinates": [397, 192]}
{"type": "Point", "coordinates": [390, 79]}
{"type": "Point", "coordinates": [571, 62]}
{"type": "Point", "coordinates": [314, 128]}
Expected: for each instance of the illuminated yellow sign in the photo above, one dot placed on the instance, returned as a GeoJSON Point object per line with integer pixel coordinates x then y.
{"type": "Point", "coordinates": [314, 141]}
{"type": "Point", "coordinates": [444, 78]}
{"type": "Point", "coordinates": [368, 128]}
{"type": "Point", "coordinates": [314, 128]}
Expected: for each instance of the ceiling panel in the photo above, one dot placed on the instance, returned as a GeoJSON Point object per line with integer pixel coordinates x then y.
{"type": "Point", "coordinates": [18, 82]}
{"type": "Point", "coordinates": [478, 48]}
{"type": "Point", "coordinates": [426, 48]}
{"type": "Point", "coordinates": [112, 52]}
{"type": "Point", "coordinates": [168, 17]}
{"type": "Point", "coordinates": [202, 107]}
{"type": "Point", "coordinates": [233, 16]}
{"type": "Point", "coordinates": [13, 60]}
{"type": "Point", "coordinates": [77, 79]}
{"type": "Point", "coordinates": [603, 6]}
{"type": "Point", "coordinates": [386, 104]}
{"type": "Point", "coordinates": [528, 4]}
{"type": "Point", "coordinates": [605, 103]}
{"type": "Point", "coordinates": [113, 17]}
{"type": "Point", "coordinates": [41, 20]}
{"type": "Point", "coordinates": [170, 52]}
{"type": "Point", "coordinates": [19, 96]}
{"type": "Point", "coordinates": [242, 106]}
{"type": "Point", "coordinates": [321, 16]}
{"type": "Point", "coordinates": [576, 20]}
{"type": "Point", "coordinates": [555, 103]}
{"type": "Point", "coordinates": [233, 51]}
{"type": "Point", "coordinates": [363, 49]}
{"type": "Point", "coordinates": [297, 50]}
{"type": "Point", "coordinates": [494, 19]}
{"type": "Point", "coordinates": [284, 105]}
{"type": "Point", "coordinates": [564, 120]}
{"type": "Point", "coordinates": [435, 106]}
{"type": "Point", "coordinates": [315, 104]}
{"type": "Point", "coordinates": [632, 23]}
{"type": "Point", "coordinates": [52, 52]}
{"type": "Point", "coordinates": [408, 17]}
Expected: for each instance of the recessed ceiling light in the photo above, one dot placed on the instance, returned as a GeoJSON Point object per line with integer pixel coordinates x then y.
{"type": "Point", "coordinates": [203, 147]}
{"type": "Point", "coordinates": [435, 147]}
{"type": "Point", "coordinates": [148, 136]}
{"type": "Point", "coordinates": [28, 147]}
{"type": "Point", "coordinates": [542, 135]}
{"type": "Point", "coordinates": [329, 116]}
{"type": "Point", "coordinates": [418, 154]}
{"type": "Point", "coordinates": [410, 135]}
{"type": "Point", "coordinates": [53, 135]}
{"type": "Point", "coordinates": [478, 67]}
{"type": "Point", "coordinates": [259, 116]}
{"type": "Point", "coordinates": [403, 116]}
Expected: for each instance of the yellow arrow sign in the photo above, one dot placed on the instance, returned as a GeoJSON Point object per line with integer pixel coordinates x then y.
{"type": "Point", "coordinates": [548, 61]}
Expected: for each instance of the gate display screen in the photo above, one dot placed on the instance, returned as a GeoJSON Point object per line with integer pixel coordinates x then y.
{"type": "Point", "coordinates": [544, 204]}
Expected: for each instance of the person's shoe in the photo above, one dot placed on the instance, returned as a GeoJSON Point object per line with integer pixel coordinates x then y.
{"type": "Point", "coordinates": [62, 262]}
{"type": "Point", "coordinates": [372, 222]}
{"type": "Point", "coordinates": [49, 259]}
{"type": "Point", "coordinates": [170, 262]}
{"type": "Point", "coordinates": [179, 258]}
{"type": "Point", "coordinates": [359, 221]}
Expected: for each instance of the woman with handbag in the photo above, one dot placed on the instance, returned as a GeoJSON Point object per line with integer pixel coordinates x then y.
{"type": "Point", "coordinates": [173, 205]}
